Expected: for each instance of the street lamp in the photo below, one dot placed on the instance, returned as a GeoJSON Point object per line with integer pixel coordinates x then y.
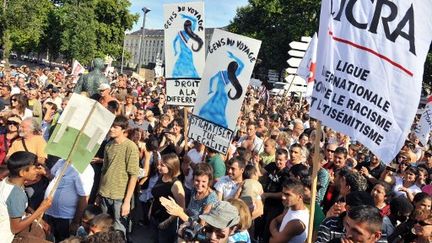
{"type": "Point", "coordinates": [123, 52]}
{"type": "Point", "coordinates": [145, 10]}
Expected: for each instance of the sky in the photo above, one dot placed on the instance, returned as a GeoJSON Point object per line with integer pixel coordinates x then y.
{"type": "Point", "coordinates": [219, 13]}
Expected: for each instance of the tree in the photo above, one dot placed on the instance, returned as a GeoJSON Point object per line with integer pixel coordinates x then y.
{"type": "Point", "coordinates": [113, 19]}
{"type": "Point", "coordinates": [276, 23]}
{"type": "Point", "coordinates": [78, 39]}
{"type": "Point", "coordinates": [22, 24]}
{"type": "Point", "coordinates": [51, 40]}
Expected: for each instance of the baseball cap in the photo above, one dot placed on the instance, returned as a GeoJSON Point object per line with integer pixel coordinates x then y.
{"type": "Point", "coordinates": [222, 215]}
{"type": "Point", "coordinates": [104, 86]}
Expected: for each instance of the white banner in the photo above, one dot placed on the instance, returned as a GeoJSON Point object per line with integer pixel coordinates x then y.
{"type": "Point", "coordinates": [230, 62]}
{"type": "Point", "coordinates": [307, 66]}
{"type": "Point", "coordinates": [424, 126]}
{"type": "Point", "coordinates": [370, 63]}
{"type": "Point", "coordinates": [184, 51]}
{"type": "Point", "coordinates": [77, 70]}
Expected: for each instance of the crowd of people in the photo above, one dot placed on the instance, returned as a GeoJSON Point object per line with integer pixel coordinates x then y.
{"type": "Point", "coordinates": [147, 173]}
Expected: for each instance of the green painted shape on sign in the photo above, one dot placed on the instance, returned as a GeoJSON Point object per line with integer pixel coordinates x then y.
{"type": "Point", "coordinates": [81, 156]}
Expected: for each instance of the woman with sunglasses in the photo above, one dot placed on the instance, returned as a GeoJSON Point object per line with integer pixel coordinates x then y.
{"type": "Point", "coordinates": [19, 106]}
{"type": "Point", "coordinates": [6, 139]}
{"type": "Point", "coordinates": [423, 226]}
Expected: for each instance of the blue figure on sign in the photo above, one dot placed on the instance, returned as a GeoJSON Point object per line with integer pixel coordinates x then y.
{"type": "Point", "coordinates": [184, 66]}
{"type": "Point", "coordinates": [214, 109]}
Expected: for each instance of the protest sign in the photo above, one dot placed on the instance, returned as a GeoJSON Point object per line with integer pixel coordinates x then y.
{"type": "Point", "coordinates": [184, 51]}
{"type": "Point", "coordinates": [230, 62]}
{"type": "Point", "coordinates": [424, 126]}
{"type": "Point", "coordinates": [307, 66]}
{"type": "Point", "coordinates": [77, 70]}
{"type": "Point", "coordinates": [80, 131]}
{"type": "Point", "coordinates": [370, 63]}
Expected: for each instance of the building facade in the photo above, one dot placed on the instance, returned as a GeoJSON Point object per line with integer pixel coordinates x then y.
{"type": "Point", "coordinates": [153, 48]}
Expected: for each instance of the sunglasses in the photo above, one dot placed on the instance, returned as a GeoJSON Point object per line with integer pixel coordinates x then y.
{"type": "Point", "coordinates": [422, 223]}
{"type": "Point", "coordinates": [330, 151]}
{"type": "Point", "coordinates": [14, 100]}
{"type": "Point", "coordinates": [12, 123]}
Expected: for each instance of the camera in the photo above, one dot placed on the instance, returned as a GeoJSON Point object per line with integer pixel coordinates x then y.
{"type": "Point", "coordinates": [194, 232]}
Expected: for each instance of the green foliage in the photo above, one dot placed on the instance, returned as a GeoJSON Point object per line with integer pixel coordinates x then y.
{"type": "Point", "coordinates": [78, 39]}
{"type": "Point", "coordinates": [113, 18]}
{"type": "Point", "coordinates": [24, 20]}
{"type": "Point", "coordinates": [276, 23]}
{"type": "Point", "coordinates": [76, 29]}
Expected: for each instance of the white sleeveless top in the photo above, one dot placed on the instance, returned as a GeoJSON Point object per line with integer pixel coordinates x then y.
{"type": "Point", "coordinates": [303, 216]}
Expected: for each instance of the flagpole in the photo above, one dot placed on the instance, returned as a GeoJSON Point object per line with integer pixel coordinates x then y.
{"type": "Point", "coordinates": [185, 129]}
{"type": "Point", "coordinates": [68, 159]}
{"type": "Point", "coordinates": [315, 166]}
{"type": "Point", "coordinates": [289, 87]}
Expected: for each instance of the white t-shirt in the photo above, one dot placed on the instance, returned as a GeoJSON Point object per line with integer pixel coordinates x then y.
{"type": "Point", "coordinates": [398, 184]}
{"type": "Point", "coordinates": [258, 143]}
{"type": "Point", "coordinates": [72, 185]}
{"type": "Point", "coordinates": [27, 114]}
{"type": "Point", "coordinates": [303, 216]}
{"type": "Point", "coordinates": [227, 187]}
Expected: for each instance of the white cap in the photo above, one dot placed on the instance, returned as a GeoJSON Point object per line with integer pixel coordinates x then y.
{"type": "Point", "coordinates": [104, 86]}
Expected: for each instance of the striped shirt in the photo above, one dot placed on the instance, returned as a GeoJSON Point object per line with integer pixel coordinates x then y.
{"type": "Point", "coordinates": [120, 162]}
{"type": "Point", "coordinates": [332, 229]}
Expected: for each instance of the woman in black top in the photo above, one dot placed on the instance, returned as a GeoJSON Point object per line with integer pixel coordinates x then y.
{"type": "Point", "coordinates": [167, 186]}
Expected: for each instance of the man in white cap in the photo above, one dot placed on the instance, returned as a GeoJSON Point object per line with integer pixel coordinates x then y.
{"type": "Point", "coordinates": [105, 92]}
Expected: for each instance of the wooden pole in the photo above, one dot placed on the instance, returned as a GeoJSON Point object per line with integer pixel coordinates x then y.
{"type": "Point", "coordinates": [68, 159]}
{"type": "Point", "coordinates": [315, 167]}
{"type": "Point", "coordinates": [289, 87]}
{"type": "Point", "coordinates": [186, 126]}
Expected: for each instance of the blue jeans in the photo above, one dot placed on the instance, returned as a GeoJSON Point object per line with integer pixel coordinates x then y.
{"type": "Point", "coordinates": [113, 208]}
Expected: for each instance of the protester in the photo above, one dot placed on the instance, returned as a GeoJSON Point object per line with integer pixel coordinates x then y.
{"type": "Point", "coordinates": [215, 160]}
{"type": "Point", "coordinates": [221, 222]}
{"type": "Point", "coordinates": [167, 186]}
{"type": "Point", "coordinates": [241, 234]}
{"type": "Point", "coordinates": [227, 186]}
{"type": "Point", "coordinates": [19, 106]}
{"type": "Point", "coordinates": [362, 224]}
{"type": "Point", "coordinates": [381, 194]}
{"type": "Point", "coordinates": [202, 196]}
{"type": "Point", "coordinates": [292, 226]}
{"type": "Point", "coordinates": [69, 199]}
{"type": "Point", "coordinates": [22, 166]}
{"type": "Point", "coordinates": [10, 135]}
{"type": "Point", "coordinates": [406, 186]}
{"type": "Point", "coordinates": [273, 141]}
{"type": "Point", "coordinates": [119, 174]}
